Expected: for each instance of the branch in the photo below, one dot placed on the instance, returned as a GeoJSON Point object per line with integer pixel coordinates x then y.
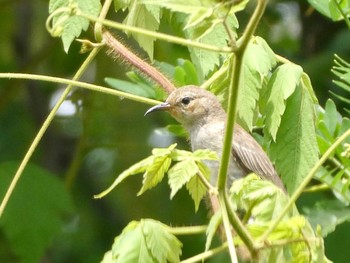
{"type": "Point", "coordinates": [302, 186]}
{"type": "Point", "coordinates": [43, 129]}
{"type": "Point", "coordinates": [126, 55]}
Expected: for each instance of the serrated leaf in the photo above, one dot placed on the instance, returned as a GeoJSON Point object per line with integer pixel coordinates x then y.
{"type": "Point", "coordinates": [164, 246]}
{"type": "Point", "coordinates": [67, 25]}
{"type": "Point", "coordinates": [164, 151]}
{"type": "Point", "coordinates": [134, 169]}
{"type": "Point", "coordinates": [259, 59]}
{"type": "Point", "coordinates": [145, 241]}
{"type": "Point", "coordinates": [180, 174]}
{"type": "Point", "coordinates": [155, 173]}
{"type": "Point", "coordinates": [147, 17]}
{"type": "Point", "coordinates": [196, 187]}
{"type": "Point", "coordinates": [295, 151]}
{"type": "Point", "coordinates": [281, 86]}
{"type": "Point", "coordinates": [35, 211]}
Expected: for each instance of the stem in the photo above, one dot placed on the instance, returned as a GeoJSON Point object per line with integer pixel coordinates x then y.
{"type": "Point", "coordinates": [161, 36]}
{"type": "Point", "coordinates": [301, 187]}
{"type": "Point", "coordinates": [187, 230]}
{"type": "Point", "coordinates": [240, 229]}
{"type": "Point", "coordinates": [43, 129]}
{"type": "Point", "coordinates": [103, 14]}
{"type": "Point", "coordinates": [227, 227]}
{"type": "Point", "coordinates": [121, 51]}
{"type": "Point", "coordinates": [207, 254]}
{"type": "Point", "coordinates": [81, 85]}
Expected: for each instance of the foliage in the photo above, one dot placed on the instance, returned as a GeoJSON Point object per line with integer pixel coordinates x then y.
{"type": "Point", "coordinates": [275, 96]}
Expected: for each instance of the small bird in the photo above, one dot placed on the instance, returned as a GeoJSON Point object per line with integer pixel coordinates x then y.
{"type": "Point", "coordinates": [202, 115]}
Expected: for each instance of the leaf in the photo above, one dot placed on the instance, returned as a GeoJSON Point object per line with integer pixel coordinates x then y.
{"type": "Point", "coordinates": [341, 69]}
{"type": "Point", "coordinates": [259, 59]}
{"type": "Point", "coordinates": [196, 187]}
{"type": "Point", "coordinates": [155, 173]}
{"type": "Point", "coordinates": [327, 214]}
{"type": "Point", "coordinates": [134, 169]}
{"type": "Point", "coordinates": [68, 25]}
{"type": "Point", "coordinates": [145, 241]}
{"type": "Point", "coordinates": [331, 117]}
{"type": "Point", "coordinates": [281, 86]}
{"type": "Point", "coordinates": [180, 174]}
{"type": "Point", "coordinates": [143, 16]}
{"type": "Point", "coordinates": [136, 89]}
{"type": "Point", "coordinates": [35, 212]}
{"type": "Point", "coordinates": [295, 151]}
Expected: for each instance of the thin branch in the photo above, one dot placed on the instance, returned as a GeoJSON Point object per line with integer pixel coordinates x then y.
{"type": "Point", "coordinates": [43, 129]}
{"type": "Point", "coordinates": [160, 36]}
{"type": "Point", "coordinates": [187, 230]}
{"type": "Point", "coordinates": [102, 15]}
{"type": "Point", "coordinates": [126, 55]}
{"type": "Point", "coordinates": [81, 85]}
{"type": "Point", "coordinates": [207, 254]}
{"type": "Point", "coordinates": [303, 185]}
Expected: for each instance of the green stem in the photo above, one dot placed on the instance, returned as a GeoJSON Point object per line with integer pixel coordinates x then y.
{"type": "Point", "coordinates": [236, 70]}
{"type": "Point", "coordinates": [103, 14]}
{"type": "Point", "coordinates": [81, 85]}
{"type": "Point", "coordinates": [302, 186]}
{"type": "Point", "coordinates": [43, 129]}
{"type": "Point", "coordinates": [160, 36]}
{"type": "Point", "coordinates": [187, 230]}
{"type": "Point", "coordinates": [227, 226]}
{"type": "Point", "coordinates": [240, 229]}
{"type": "Point", "coordinates": [207, 254]}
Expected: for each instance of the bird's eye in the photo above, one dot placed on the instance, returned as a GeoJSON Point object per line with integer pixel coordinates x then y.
{"type": "Point", "coordinates": [186, 100]}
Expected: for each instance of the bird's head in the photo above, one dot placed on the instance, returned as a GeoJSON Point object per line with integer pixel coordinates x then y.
{"type": "Point", "coordinates": [191, 105]}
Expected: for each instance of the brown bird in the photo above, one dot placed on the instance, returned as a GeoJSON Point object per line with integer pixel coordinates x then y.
{"type": "Point", "coordinates": [202, 115]}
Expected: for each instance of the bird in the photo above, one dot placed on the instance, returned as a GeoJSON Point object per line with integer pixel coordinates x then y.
{"type": "Point", "coordinates": [202, 115]}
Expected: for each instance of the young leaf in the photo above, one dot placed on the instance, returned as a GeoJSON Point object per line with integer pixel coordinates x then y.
{"type": "Point", "coordinates": [144, 241]}
{"type": "Point", "coordinates": [67, 25]}
{"type": "Point", "coordinates": [180, 174]}
{"type": "Point", "coordinates": [155, 173]}
{"type": "Point", "coordinates": [281, 86]}
{"type": "Point", "coordinates": [295, 151]}
{"type": "Point", "coordinates": [134, 169]}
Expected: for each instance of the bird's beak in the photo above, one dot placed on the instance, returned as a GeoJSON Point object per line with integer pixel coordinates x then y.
{"type": "Point", "coordinates": [162, 106]}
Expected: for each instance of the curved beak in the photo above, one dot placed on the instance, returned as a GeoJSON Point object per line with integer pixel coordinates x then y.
{"type": "Point", "coordinates": [162, 106]}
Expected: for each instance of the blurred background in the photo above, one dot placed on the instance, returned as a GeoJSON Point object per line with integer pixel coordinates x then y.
{"type": "Point", "coordinates": [94, 136]}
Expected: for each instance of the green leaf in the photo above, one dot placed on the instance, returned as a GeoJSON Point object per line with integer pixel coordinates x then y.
{"type": "Point", "coordinates": [35, 212]}
{"type": "Point", "coordinates": [68, 25]}
{"type": "Point", "coordinates": [259, 59]}
{"type": "Point", "coordinates": [295, 151]}
{"type": "Point", "coordinates": [136, 89]}
{"type": "Point", "coordinates": [134, 169]}
{"type": "Point", "coordinates": [143, 16]}
{"type": "Point", "coordinates": [327, 214]}
{"type": "Point", "coordinates": [281, 86]}
{"type": "Point", "coordinates": [180, 174]}
{"type": "Point", "coordinates": [155, 173]}
{"type": "Point", "coordinates": [331, 117]}
{"type": "Point", "coordinates": [196, 187]}
{"type": "Point", "coordinates": [144, 241]}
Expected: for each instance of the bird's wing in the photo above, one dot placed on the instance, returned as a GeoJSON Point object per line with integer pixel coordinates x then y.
{"type": "Point", "coordinates": [249, 154]}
